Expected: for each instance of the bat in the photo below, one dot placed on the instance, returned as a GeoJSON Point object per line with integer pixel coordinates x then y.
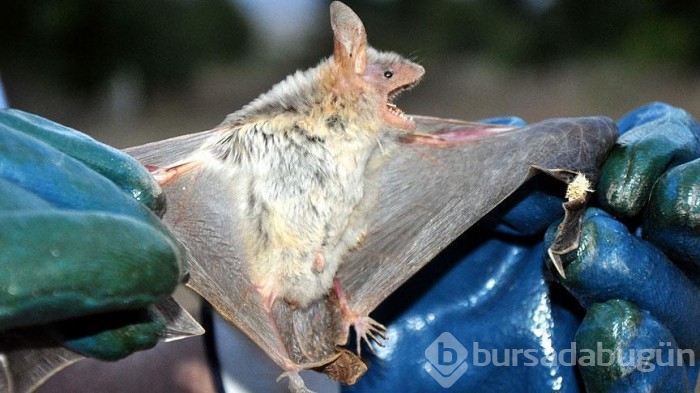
{"type": "Point", "coordinates": [383, 192]}
{"type": "Point", "coordinates": [305, 209]}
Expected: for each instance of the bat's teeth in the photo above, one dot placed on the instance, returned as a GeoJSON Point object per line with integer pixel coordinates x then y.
{"type": "Point", "coordinates": [394, 109]}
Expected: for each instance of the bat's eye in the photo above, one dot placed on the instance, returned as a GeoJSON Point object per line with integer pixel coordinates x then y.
{"type": "Point", "coordinates": [388, 74]}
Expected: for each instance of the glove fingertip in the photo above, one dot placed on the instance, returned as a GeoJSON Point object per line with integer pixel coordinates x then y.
{"type": "Point", "coordinates": [654, 111]}
{"type": "Point", "coordinates": [110, 336]}
{"type": "Point", "coordinates": [673, 220]}
{"type": "Point", "coordinates": [622, 348]}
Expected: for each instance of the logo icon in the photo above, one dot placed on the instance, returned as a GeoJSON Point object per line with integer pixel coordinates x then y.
{"type": "Point", "coordinates": [446, 357]}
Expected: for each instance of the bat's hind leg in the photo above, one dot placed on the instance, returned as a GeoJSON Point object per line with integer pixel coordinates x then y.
{"type": "Point", "coordinates": [366, 328]}
{"type": "Point", "coordinates": [268, 292]}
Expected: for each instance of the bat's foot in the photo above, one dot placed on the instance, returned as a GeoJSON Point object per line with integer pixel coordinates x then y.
{"type": "Point", "coordinates": [296, 384]}
{"type": "Point", "coordinates": [366, 328]}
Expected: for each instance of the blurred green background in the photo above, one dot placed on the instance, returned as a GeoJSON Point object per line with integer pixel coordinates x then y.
{"type": "Point", "coordinates": [133, 71]}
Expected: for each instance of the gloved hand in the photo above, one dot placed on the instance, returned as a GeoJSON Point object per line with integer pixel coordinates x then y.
{"type": "Point", "coordinates": [81, 246]}
{"type": "Point", "coordinates": [511, 328]}
{"type": "Point", "coordinates": [639, 281]}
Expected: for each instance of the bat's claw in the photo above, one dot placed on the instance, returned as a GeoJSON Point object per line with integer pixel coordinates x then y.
{"type": "Point", "coordinates": [296, 384]}
{"type": "Point", "coordinates": [368, 330]}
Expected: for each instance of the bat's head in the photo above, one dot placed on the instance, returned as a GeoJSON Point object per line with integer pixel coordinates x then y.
{"type": "Point", "coordinates": [374, 78]}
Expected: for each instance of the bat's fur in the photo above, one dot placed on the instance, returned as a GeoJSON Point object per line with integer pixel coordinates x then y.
{"type": "Point", "coordinates": [298, 155]}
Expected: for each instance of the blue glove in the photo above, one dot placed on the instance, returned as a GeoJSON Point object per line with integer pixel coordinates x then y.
{"type": "Point", "coordinates": [80, 247]}
{"type": "Point", "coordinates": [487, 315]}
{"type": "Point", "coordinates": [639, 281]}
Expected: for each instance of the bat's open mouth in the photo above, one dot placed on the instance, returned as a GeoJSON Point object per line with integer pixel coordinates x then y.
{"type": "Point", "coordinates": [395, 116]}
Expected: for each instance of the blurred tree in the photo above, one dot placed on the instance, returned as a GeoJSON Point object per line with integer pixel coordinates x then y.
{"type": "Point", "coordinates": [538, 31]}
{"type": "Point", "coordinates": [81, 43]}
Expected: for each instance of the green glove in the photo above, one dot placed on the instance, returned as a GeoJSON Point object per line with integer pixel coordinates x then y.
{"type": "Point", "coordinates": [81, 247]}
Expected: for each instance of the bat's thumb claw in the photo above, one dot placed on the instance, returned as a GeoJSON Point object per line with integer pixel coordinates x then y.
{"type": "Point", "coordinates": [557, 262]}
{"type": "Point", "coordinates": [296, 384]}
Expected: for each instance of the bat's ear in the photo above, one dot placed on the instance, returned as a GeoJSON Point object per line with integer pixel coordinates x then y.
{"type": "Point", "coordinates": [349, 37]}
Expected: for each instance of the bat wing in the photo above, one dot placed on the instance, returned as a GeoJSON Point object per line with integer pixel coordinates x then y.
{"type": "Point", "coordinates": [431, 194]}
{"type": "Point", "coordinates": [169, 151]}
{"type": "Point", "coordinates": [433, 187]}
